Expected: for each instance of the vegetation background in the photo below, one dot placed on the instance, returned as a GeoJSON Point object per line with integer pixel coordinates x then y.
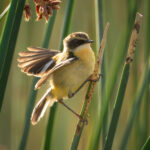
{"type": "Point", "coordinates": [84, 18]}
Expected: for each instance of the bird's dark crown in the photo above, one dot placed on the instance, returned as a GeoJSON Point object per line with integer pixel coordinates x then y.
{"type": "Point", "coordinates": [76, 39]}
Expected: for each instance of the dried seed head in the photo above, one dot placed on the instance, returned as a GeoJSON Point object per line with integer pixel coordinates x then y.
{"type": "Point", "coordinates": [27, 12]}
{"type": "Point", "coordinates": [44, 8]}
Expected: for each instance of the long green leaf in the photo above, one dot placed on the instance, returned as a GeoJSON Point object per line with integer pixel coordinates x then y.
{"type": "Point", "coordinates": [108, 90]}
{"type": "Point", "coordinates": [30, 107]}
{"type": "Point", "coordinates": [77, 136]}
{"type": "Point", "coordinates": [5, 41]}
{"type": "Point", "coordinates": [65, 31]}
{"type": "Point", "coordinates": [33, 93]}
{"type": "Point", "coordinates": [8, 42]}
{"type": "Point", "coordinates": [117, 108]}
{"type": "Point", "coordinates": [99, 33]}
{"type": "Point", "coordinates": [146, 115]}
{"type": "Point", "coordinates": [102, 83]}
{"type": "Point", "coordinates": [89, 93]}
{"type": "Point", "coordinates": [135, 108]}
{"type": "Point", "coordinates": [111, 81]}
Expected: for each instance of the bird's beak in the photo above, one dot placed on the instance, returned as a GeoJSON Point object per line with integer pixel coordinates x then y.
{"type": "Point", "coordinates": [90, 41]}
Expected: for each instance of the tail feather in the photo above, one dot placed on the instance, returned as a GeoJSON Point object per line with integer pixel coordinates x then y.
{"type": "Point", "coordinates": [41, 107]}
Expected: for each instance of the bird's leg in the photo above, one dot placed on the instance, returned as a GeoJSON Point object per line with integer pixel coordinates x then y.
{"type": "Point", "coordinates": [90, 78]}
{"type": "Point", "coordinates": [72, 94]}
{"type": "Point", "coordinates": [61, 102]}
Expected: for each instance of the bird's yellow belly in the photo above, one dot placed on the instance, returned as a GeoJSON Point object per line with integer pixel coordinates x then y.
{"type": "Point", "coordinates": [68, 79]}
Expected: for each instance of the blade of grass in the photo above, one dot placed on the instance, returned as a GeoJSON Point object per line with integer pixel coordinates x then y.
{"type": "Point", "coordinates": [4, 12]}
{"type": "Point", "coordinates": [8, 42]}
{"type": "Point", "coordinates": [108, 90]}
{"type": "Point", "coordinates": [5, 39]}
{"type": "Point", "coordinates": [136, 106]}
{"type": "Point", "coordinates": [111, 80]}
{"type": "Point", "coordinates": [146, 146]}
{"type": "Point", "coordinates": [124, 80]}
{"type": "Point", "coordinates": [147, 57]}
{"type": "Point", "coordinates": [33, 93]}
{"type": "Point", "coordinates": [30, 107]}
{"type": "Point", "coordinates": [99, 34]}
{"type": "Point", "coordinates": [65, 31]}
{"type": "Point", "coordinates": [132, 7]}
{"type": "Point", "coordinates": [102, 83]}
{"type": "Point", "coordinates": [117, 108]}
{"type": "Point", "coordinates": [90, 91]}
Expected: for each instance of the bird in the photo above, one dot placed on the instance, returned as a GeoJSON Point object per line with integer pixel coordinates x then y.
{"type": "Point", "coordinates": [66, 72]}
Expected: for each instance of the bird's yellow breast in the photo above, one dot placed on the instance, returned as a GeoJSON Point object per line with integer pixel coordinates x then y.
{"type": "Point", "coordinates": [86, 54]}
{"type": "Point", "coordinates": [69, 78]}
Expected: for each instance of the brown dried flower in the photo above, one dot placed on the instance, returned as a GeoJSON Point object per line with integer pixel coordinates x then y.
{"type": "Point", "coordinates": [44, 8]}
{"type": "Point", "coordinates": [27, 12]}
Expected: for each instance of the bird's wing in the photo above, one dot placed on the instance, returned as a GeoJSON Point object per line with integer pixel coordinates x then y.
{"type": "Point", "coordinates": [37, 61]}
{"type": "Point", "coordinates": [55, 68]}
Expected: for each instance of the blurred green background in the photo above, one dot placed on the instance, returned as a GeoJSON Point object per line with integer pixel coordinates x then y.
{"type": "Point", "coordinates": [31, 33]}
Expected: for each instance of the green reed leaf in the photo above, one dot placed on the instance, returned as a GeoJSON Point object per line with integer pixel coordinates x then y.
{"type": "Point", "coordinates": [117, 108]}
{"type": "Point", "coordinates": [33, 93]}
{"type": "Point", "coordinates": [65, 31]}
{"type": "Point", "coordinates": [8, 42]}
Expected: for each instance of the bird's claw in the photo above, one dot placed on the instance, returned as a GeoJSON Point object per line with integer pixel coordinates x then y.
{"type": "Point", "coordinates": [97, 79]}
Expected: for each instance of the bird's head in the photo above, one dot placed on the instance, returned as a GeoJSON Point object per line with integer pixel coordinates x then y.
{"type": "Point", "coordinates": [76, 39]}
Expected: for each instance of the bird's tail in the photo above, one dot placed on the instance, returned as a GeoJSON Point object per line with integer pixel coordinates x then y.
{"type": "Point", "coordinates": [41, 107]}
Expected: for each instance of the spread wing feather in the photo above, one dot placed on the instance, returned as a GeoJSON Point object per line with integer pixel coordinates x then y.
{"type": "Point", "coordinates": [37, 61]}
{"type": "Point", "coordinates": [42, 62]}
{"type": "Point", "coordinates": [55, 68]}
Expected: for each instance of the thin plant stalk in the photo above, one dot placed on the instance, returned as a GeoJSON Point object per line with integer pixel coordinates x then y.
{"type": "Point", "coordinates": [90, 91]}
{"type": "Point", "coordinates": [95, 138]}
{"type": "Point", "coordinates": [99, 34]}
{"type": "Point", "coordinates": [136, 106]}
{"type": "Point", "coordinates": [33, 93]}
{"type": "Point", "coordinates": [147, 57]}
{"type": "Point", "coordinates": [124, 80]}
{"type": "Point", "coordinates": [117, 108]}
{"type": "Point", "coordinates": [53, 110]}
{"type": "Point", "coordinates": [8, 42]}
{"type": "Point", "coordinates": [102, 83]}
{"type": "Point", "coordinates": [110, 83]}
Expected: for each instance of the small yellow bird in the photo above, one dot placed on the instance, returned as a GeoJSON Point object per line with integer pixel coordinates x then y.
{"type": "Point", "coordinates": [67, 71]}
